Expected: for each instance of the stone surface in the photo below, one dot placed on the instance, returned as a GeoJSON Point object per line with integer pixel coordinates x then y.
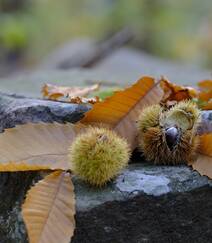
{"type": "Point", "coordinates": [140, 178]}
{"type": "Point", "coordinates": [206, 123]}
{"type": "Point", "coordinates": [19, 110]}
{"type": "Point", "coordinates": [170, 218]}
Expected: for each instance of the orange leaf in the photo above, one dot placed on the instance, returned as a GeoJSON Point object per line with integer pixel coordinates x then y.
{"type": "Point", "coordinates": [206, 144]}
{"type": "Point", "coordinates": [208, 106]}
{"type": "Point", "coordinates": [205, 84]}
{"type": "Point", "coordinates": [205, 95]}
{"type": "Point", "coordinates": [54, 92]}
{"type": "Point", "coordinates": [49, 209]}
{"type": "Point", "coordinates": [36, 146]}
{"type": "Point", "coordinates": [121, 110]}
{"type": "Point", "coordinates": [203, 164]}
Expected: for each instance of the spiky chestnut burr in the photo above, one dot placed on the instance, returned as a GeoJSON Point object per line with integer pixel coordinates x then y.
{"type": "Point", "coordinates": [168, 136]}
{"type": "Point", "coordinates": [98, 155]}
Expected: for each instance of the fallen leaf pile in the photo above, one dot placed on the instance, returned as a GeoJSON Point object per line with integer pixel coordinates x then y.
{"type": "Point", "coordinates": [49, 208]}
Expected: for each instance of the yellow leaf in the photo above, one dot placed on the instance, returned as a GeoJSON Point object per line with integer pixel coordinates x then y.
{"type": "Point", "coordinates": [203, 164]}
{"type": "Point", "coordinates": [121, 110]}
{"type": "Point", "coordinates": [36, 146]}
{"type": "Point", "coordinates": [49, 209]}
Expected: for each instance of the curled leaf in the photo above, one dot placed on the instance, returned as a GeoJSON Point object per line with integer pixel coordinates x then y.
{"type": "Point", "coordinates": [121, 110]}
{"type": "Point", "coordinates": [83, 100]}
{"type": "Point", "coordinates": [49, 209]}
{"type": "Point", "coordinates": [176, 93]}
{"type": "Point", "coordinates": [54, 92]}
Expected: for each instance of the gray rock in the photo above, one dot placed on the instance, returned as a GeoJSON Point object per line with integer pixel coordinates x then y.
{"type": "Point", "coordinates": [19, 110]}
{"type": "Point", "coordinates": [174, 217]}
{"type": "Point", "coordinates": [137, 179]}
{"type": "Point", "coordinates": [206, 122]}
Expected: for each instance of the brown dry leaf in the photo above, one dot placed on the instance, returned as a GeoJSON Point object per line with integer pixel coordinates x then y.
{"type": "Point", "coordinates": [203, 164]}
{"type": "Point", "coordinates": [83, 100]}
{"type": "Point", "coordinates": [121, 110]}
{"type": "Point", "coordinates": [54, 92]}
{"type": "Point", "coordinates": [173, 92]}
{"type": "Point", "coordinates": [36, 146]}
{"type": "Point", "coordinates": [49, 209]}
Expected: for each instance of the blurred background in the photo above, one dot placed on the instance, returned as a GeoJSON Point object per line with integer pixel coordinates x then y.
{"type": "Point", "coordinates": [175, 30]}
